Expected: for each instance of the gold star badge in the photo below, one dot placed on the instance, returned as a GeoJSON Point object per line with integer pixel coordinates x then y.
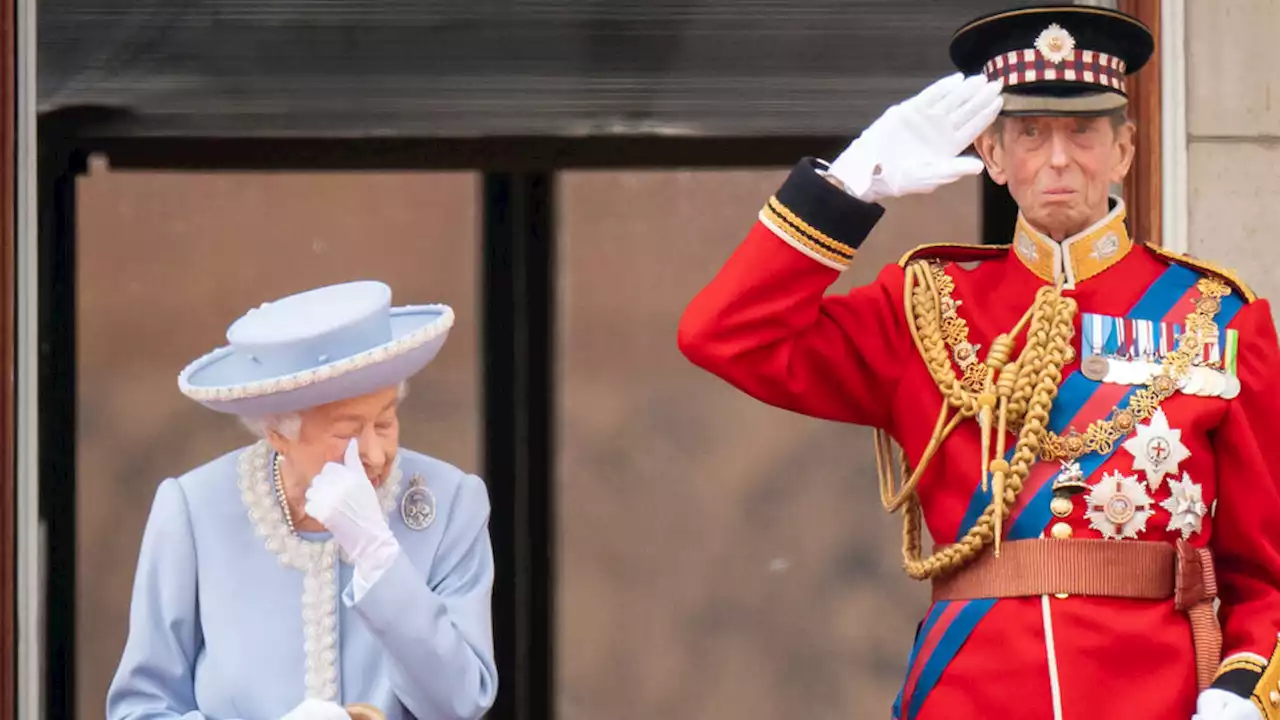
{"type": "Point", "coordinates": [1157, 449]}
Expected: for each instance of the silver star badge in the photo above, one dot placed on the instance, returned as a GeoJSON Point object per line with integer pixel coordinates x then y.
{"type": "Point", "coordinates": [1118, 506]}
{"type": "Point", "coordinates": [1157, 449]}
{"type": "Point", "coordinates": [1186, 506]}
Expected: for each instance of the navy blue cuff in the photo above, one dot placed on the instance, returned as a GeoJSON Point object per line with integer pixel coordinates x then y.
{"type": "Point", "coordinates": [1240, 681]}
{"type": "Point", "coordinates": [819, 215]}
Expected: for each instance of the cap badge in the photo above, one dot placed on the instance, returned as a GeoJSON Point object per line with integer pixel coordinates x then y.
{"type": "Point", "coordinates": [1055, 43]}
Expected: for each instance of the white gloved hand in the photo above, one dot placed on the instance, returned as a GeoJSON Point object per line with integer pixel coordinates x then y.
{"type": "Point", "coordinates": [912, 147]}
{"type": "Point", "coordinates": [343, 500]}
{"type": "Point", "coordinates": [317, 710]}
{"type": "Point", "coordinates": [1219, 704]}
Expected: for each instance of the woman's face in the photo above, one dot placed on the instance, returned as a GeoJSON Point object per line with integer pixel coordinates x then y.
{"type": "Point", "coordinates": [326, 431]}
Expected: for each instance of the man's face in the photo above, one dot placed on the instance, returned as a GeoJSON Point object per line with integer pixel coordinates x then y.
{"type": "Point", "coordinates": [1058, 169]}
{"type": "Point", "coordinates": [327, 430]}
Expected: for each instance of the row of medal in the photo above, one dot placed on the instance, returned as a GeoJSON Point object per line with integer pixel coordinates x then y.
{"type": "Point", "coordinates": [1119, 505]}
{"type": "Point", "coordinates": [1126, 351]}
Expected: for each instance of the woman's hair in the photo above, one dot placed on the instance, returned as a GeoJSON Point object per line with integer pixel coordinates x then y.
{"type": "Point", "coordinates": [290, 424]}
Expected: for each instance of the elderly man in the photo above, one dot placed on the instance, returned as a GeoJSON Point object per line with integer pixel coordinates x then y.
{"type": "Point", "coordinates": [1081, 418]}
{"type": "Point", "coordinates": [323, 572]}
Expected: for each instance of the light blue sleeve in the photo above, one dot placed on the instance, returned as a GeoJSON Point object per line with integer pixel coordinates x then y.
{"type": "Point", "coordinates": [154, 680]}
{"type": "Point", "coordinates": [439, 634]}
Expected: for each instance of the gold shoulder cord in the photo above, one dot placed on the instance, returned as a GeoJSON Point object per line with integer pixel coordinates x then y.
{"type": "Point", "coordinates": [1020, 401]}
{"type": "Point", "coordinates": [1024, 393]}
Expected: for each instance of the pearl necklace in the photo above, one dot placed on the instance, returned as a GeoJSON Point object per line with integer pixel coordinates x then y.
{"type": "Point", "coordinates": [280, 496]}
{"type": "Point", "coordinates": [317, 560]}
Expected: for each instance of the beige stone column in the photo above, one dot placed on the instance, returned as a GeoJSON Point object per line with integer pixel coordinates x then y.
{"type": "Point", "coordinates": [1233, 137]}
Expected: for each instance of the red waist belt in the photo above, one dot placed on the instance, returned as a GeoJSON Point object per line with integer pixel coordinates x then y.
{"type": "Point", "coordinates": [1101, 568]}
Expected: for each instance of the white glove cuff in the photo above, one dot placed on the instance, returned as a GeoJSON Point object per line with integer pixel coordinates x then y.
{"type": "Point", "coordinates": [857, 167]}
{"type": "Point", "coordinates": [374, 561]}
{"type": "Point", "coordinates": [1219, 704]}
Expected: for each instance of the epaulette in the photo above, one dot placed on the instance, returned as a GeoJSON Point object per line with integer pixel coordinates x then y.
{"type": "Point", "coordinates": [954, 252]}
{"type": "Point", "coordinates": [1208, 268]}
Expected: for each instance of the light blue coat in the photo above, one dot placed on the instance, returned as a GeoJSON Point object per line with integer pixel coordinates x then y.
{"type": "Point", "coordinates": [216, 626]}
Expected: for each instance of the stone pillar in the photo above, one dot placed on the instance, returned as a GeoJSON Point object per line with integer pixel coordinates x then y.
{"type": "Point", "coordinates": [1233, 135]}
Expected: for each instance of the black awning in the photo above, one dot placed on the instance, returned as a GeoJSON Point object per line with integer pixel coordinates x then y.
{"type": "Point", "coordinates": [459, 68]}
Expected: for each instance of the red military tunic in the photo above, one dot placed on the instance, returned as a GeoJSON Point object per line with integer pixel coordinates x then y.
{"type": "Point", "coordinates": [765, 325]}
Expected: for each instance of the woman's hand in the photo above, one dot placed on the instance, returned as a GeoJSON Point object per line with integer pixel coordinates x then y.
{"type": "Point", "coordinates": [344, 501]}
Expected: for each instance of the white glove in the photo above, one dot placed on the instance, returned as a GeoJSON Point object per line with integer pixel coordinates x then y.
{"type": "Point", "coordinates": [317, 710]}
{"type": "Point", "coordinates": [1219, 704]}
{"type": "Point", "coordinates": [343, 500]}
{"type": "Point", "coordinates": [912, 147]}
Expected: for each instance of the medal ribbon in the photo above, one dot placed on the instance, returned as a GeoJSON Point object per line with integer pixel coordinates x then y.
{"type": "Point", "coordinates": [1229, 356]}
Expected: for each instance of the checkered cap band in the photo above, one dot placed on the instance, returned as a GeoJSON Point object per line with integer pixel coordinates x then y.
{"type": "Point", "coordinates": [1018, 67]}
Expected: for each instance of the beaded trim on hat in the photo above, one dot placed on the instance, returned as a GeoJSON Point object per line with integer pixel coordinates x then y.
{"type": "Point", "coordinates": [295, 381]}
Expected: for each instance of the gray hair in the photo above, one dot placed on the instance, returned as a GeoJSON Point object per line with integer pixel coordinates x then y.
{"type": "Point", "coordinates": [290, 424]}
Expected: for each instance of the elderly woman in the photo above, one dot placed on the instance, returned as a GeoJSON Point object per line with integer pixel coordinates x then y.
{"type": "Point", "coordinates": [322, 572]}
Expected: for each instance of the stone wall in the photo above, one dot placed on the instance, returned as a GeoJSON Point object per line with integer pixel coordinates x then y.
{"type": "Point", "coordinates": [1233, 128]}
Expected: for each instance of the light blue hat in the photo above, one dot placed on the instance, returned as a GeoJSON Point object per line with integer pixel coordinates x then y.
{"type": "Point", "coordinates": [316, 347]}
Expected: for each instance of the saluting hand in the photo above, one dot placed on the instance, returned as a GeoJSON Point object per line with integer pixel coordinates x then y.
{"type": "Point", "coordinates": [912, 147]}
